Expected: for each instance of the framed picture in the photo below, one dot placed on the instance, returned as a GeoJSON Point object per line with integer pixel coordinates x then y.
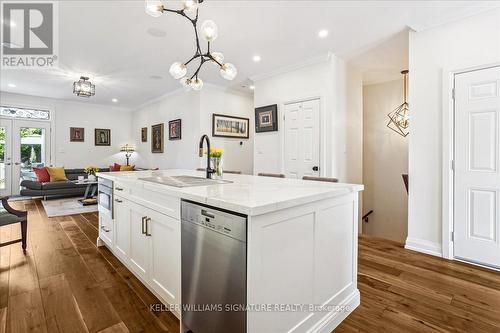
{"type": "Point", "coordinates": [76, 134]}
{"type": "Point", "coordinates": [174, 129]}
{"type": "Point", "coordinates": [230, 127]}
{"type": "Point", "coordinates": [102, 137]}
{"type": "Point", "coordinates": [157, 138]}
{"type": "Point", "coordinates": [266, 118]}
{"type": "Point", "coordinates": [144, 134]}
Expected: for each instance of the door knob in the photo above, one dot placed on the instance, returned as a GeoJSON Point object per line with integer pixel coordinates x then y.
{"type": "Point", "coordinates": [315, 168]}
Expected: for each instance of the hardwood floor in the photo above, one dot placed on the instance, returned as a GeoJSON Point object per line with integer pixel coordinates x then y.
{"type": "Point", "coordinates": [66, 284]}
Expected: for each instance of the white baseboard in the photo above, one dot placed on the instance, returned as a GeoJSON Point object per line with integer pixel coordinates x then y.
{"type": "Point", "coordinates": [424, 246]}
{"type": "Point", "coordinates": [333, 319]}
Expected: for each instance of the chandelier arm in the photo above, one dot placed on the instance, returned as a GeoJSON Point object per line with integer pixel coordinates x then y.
{"type": "Point", "coordinates": [194, 57]}
{"type": "Point", "coordinates": [202, 61]}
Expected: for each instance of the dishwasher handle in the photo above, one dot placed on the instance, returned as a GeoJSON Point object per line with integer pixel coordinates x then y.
{"type": "Point", "coordinates": [206, 213]}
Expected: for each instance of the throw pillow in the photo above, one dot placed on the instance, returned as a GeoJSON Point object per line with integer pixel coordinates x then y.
{"type": "Point", "coordinates": [127, 168]}
{"type": "Point", "coordinates": [56, 174]}
{"type": "Point", "coordinates": [116, 167]}
{"type": "Point", "coordinates": [42, 175]}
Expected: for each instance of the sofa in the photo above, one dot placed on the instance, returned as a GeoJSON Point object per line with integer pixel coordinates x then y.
{"type": "Point", "coordinates": [33, 188]}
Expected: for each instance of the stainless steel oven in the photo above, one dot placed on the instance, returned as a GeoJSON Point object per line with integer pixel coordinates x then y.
{"type": "Point", "coordinates": [105, 197]}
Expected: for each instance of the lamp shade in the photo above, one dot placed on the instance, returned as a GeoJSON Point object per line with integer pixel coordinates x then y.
{"type": "Point", "coordinates": [127, 148]}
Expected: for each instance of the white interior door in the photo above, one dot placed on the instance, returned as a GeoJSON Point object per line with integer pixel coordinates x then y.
{"type": "Point", "coordinates": [302, 139]}
{"type": "Point", "coordinates": [5, 157]}
{"type": "Point", "coordinates": [477, 173]}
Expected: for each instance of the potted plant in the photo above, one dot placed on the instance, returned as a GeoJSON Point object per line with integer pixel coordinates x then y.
{"type": "Point", "coordinates": [91, 171]}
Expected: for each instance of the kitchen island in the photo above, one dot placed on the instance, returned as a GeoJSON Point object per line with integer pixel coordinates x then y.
{"type": "Point", "coordinates": [301, 243]}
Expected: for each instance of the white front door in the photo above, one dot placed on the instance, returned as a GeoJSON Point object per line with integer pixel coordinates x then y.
{"type": "Point", "coordinates": [24, 144]}
{"type": "Point", "coordinates": [302, 139]}
{"type": "Point", "coordinates": [477, 166]}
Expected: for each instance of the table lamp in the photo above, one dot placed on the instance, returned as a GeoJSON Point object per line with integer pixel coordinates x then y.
{"type": "Point", "coordinates": [128, 150]}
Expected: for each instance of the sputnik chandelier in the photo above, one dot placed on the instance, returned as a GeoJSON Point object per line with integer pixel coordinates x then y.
{"type": "Point", "coordinates": [209, 32]}
{"type": "Point", "coordinates": [399, 117]}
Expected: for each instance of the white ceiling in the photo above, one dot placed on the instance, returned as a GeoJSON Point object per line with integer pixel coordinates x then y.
{"type": "Point", "coordinates": [113, 42]}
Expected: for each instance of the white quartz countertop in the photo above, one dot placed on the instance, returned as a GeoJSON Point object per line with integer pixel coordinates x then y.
{"type": "Point", "coordinates": [250, 195]}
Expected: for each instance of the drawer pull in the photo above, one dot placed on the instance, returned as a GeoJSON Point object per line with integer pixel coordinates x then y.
{"type": "Point", "coordinates": [147, 226]}
{"type": "Point", "coordinates": [144, 224]}
{"type": "Point", "coordinates": [118, 189]}
{"type": "Point", "coordinates": [118, 200]}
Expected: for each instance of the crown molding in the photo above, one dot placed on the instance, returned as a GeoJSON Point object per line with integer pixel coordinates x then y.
{"type": "Point", "coordinates": [461, 15]}
{"type": "Point", "coordinates": [290, 68]}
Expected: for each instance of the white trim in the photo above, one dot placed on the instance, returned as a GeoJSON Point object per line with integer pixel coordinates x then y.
{"type": "Point", "coordinates": [334, 318]}
{"type": "Point", "coordinates": [448, 125]}
{"type": "Point", "coordinates": [423, 245]}
{"type": "Point", "coordinates": [290, 68]}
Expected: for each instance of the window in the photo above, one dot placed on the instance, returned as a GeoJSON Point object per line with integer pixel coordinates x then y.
{"type": "Point", "coordinates": [14, 112]}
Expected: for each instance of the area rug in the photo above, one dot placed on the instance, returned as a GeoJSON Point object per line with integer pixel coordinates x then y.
{"type": "Point", "coordinates": [69, 206]}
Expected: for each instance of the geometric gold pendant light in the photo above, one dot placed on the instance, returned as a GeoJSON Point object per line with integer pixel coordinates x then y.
{"type": "Point", "coordinates": [399, 117]}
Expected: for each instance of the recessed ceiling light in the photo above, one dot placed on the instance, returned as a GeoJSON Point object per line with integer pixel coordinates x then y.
{"type": "Point", "coordinates": [114, 100]}
{"type": "Point", "coordinates": [256, 58]}
{"type": "Point", "coordinates": [12, 85]}
{"type": "Point", "coordinates": [252, 87]}
{"type": "Point", "coordinates": [322, 33]}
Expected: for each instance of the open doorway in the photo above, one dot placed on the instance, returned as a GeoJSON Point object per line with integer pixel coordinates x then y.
{"type": "Point", "coordinates": [385, 152]}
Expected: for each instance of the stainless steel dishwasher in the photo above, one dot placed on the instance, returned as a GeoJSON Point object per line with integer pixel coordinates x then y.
{"type": "Point", "coordinates": [214, 261]}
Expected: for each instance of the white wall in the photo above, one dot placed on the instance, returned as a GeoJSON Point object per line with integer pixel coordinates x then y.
{"type": "Point", "coordinates": [340, 87]}
{"type": "Point", "coordinates": [80, 114]}
{"type": "Point", "coordinates": [176, 153]}
{"type": "Point", "coordinates": [195, 109]}
{"type": "Point", "coordinates": [216, 100]}
{"type": "Point", "coordinates": [385, 159]}
{"type": "Point", "coordinates": [470, 42]}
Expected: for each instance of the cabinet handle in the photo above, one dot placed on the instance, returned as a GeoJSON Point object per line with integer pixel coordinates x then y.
{"type": "Point", "coordinates": [118, 200]}
{"type": "Point", "coordinates": [143, 224]}
{"type": "Point", "coordinates": [147, 226]}
{"type": "Point", "coordinates": [118, 189]}
{"type": "Point", "coordinates": [106, 230]}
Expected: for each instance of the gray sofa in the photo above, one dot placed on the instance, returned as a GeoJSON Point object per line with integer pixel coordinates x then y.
{"type": "Point", "coordinates": [33, 188]}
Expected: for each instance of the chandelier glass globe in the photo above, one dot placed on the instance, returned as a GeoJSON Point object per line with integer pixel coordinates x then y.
{"type": "Point", "coordinates": [218, 56]}
{"type": "Point", "coordinates": [178, 70]}
{"type": "Point", "coordinates": [190, 5]}
{"type": "Point", "coordinates": [196, 84]}
{"type": "Point", "coordinates": [209, 30]}
{"type": "Point", "coordinates": [228, 71]}
{"type": "Point", "coordinates": [154, 8]}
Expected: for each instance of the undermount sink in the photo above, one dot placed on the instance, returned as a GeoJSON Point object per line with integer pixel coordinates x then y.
{"type": "Point", "coordinates": [184, 181]}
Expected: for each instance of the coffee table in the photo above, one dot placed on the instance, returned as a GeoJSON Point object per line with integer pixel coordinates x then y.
{"type": "Point", "coordinates": [90, 192]}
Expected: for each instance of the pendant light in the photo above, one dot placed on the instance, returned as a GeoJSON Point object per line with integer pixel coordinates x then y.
{"type": "Point", "coordinates": [83, 87]}
{"type": "Point", "coordinates": [209, 33]}
{"type": "Point", "coordinates": [399, 120]}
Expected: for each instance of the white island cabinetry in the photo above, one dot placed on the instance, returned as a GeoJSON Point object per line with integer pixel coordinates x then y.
{"type": "Point", "coordinates": [301, 243]}
{"type": "Point", "coordinates": [148, 243]}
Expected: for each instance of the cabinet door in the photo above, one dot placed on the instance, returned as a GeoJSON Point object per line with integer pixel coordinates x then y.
{"type": "Point", "coordinates": [139, 252]}
{"type": "Point", "coordinates": [165, 269]}
{"type": "Point", "coordinates": [122, 228]}
{"type": "Point", "coordinates": [106, 229]}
